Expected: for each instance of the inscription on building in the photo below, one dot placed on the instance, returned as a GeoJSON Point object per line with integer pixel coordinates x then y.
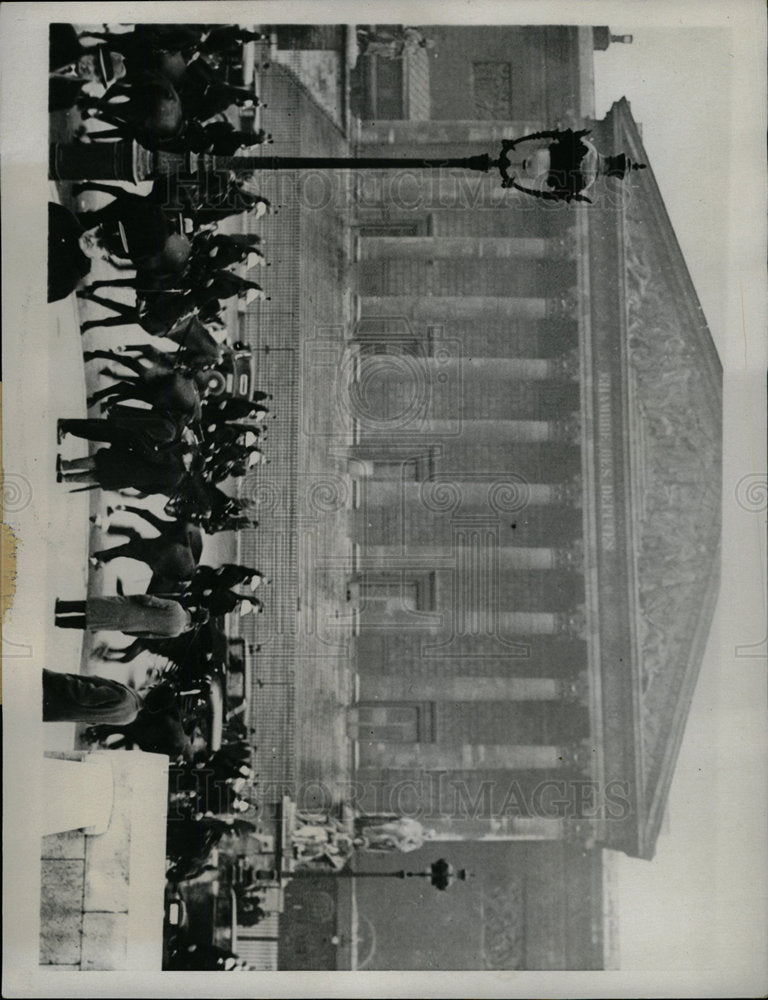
{"type": "Point", "coordinates": [606, 506]}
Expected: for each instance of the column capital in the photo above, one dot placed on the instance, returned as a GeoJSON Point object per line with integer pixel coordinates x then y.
{"type": "Point", "coordinates": [568, 430]}
{"type": "Point", "coordinates": [569, 493]}
{"type": "Point", "coordinates": [565, 246]}
{"type": "Point", "coordinates": [580, 831]}
{"type": "Point", "coordinates": [575, 689]}
{"type": "Point", "coordinates": [564, 307]}
{"type": "Point", "coordinates": [573, 623]}
{"type": "Point", "coordinates": [577, 756]}
{"type": "Point", "coordinates": [571, 557]}
{"type": "Point", "coordinates": [566, 366]}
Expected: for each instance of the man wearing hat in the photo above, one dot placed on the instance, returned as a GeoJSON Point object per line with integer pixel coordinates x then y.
{"type": "Point", "coordinates": [74, 68]}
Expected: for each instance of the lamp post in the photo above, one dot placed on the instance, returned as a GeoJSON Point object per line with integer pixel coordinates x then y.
{"type": "Point", "coordinates": [567, 163]}
{"type": "Point", "coordinates": [128, 161]}
{"type": "Point", "coordinates": [441, 874]}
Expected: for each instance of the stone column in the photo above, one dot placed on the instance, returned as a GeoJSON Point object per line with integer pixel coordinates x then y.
{"type": "Point", "coordinates": [501, 495]}
{"type": "Point", "coordinates": [478, 372]}
{"type": "Point", "coordinates": [433, 556]}
{"type": "Point", "coordinates": [543, 623]}
{"type": "Point", "coordinates": [409, 756]}
{"type": "Point", "coordinates": [395, 195]}
{"type": "Point", "coordinates": [453, 133]}
{"type": "Point", "coordinates": [388, 687]}
{"type": "Point", "coordinates": [503, 431]}
{"type": "Point", "coordinates": [435, 308]}
{"type": "Point", "coordinates": [462, 757]}
{"type": "Point", "coordinates": [463, 247]}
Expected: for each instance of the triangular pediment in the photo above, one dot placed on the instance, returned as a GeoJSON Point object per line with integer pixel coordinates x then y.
{"type": "Point", "coordinates": [674, 402]}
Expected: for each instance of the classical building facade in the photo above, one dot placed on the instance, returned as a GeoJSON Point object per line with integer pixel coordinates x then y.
{"type": "Point", "coordinates": [498, 542]}
{"type": "Point", "coordinates": [537, 449]}
{"type": "Point", "coordinates": [537, 455]}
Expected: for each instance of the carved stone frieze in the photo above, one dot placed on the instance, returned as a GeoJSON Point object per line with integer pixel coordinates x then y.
{"type": "Point", "coordinates": [677, 468]}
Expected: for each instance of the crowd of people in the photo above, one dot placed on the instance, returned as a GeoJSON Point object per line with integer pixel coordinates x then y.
{"type": "Point", "coordinates": [163, 426]}
{"type": "Point", "coordinates": [167, 430]}
{"type": "Point", "coordinates": [166, 424]}
{"type": "Point", "coordinates": [160, 84]}
{"type": "Point", "coordinates": [168, 95]}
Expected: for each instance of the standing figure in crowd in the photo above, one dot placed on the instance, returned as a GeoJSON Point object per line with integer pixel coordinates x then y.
{"type": "Point", "coordinates": [135, 614]}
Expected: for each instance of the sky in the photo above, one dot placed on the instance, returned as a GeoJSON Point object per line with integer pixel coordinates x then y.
{"type": "Point", "coordinates": [695, 904]}
{"type": "Point", "coordinates": [679, 84]}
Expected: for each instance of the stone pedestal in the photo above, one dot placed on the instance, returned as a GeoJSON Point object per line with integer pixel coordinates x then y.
{"type": "Point", "coordinates": [102, 893]}
{"type": "Point", "coordinates": [77, 794]}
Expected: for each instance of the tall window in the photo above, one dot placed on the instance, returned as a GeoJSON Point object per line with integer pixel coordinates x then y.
{"type": "Point", "coordinates": [399, 464]}
{"type": "Point", "coordinates": [405, 470]}
{"type": "Point", "coordinates": [396, 722]}
{"type": "Point", "coordinates": [492, 89]}
{"type": "Point", "coordinates": [390, 229]}
{"type": "Point", "coordinates": [396, 599]}
{"type": "Point", "coordinates": [395, 590]}
{"type": "Point", "coordinates": [386, 88]}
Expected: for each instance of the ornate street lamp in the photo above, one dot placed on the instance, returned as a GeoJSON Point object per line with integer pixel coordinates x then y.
{"type": "Point", "coordinates": [440, 873]}
{"type": "Point", "coordinates": [566, 165]}
{"type": "Point", "coordinates": [443, 874]}
{"type": "Point", "coordinates": [564, 168]}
